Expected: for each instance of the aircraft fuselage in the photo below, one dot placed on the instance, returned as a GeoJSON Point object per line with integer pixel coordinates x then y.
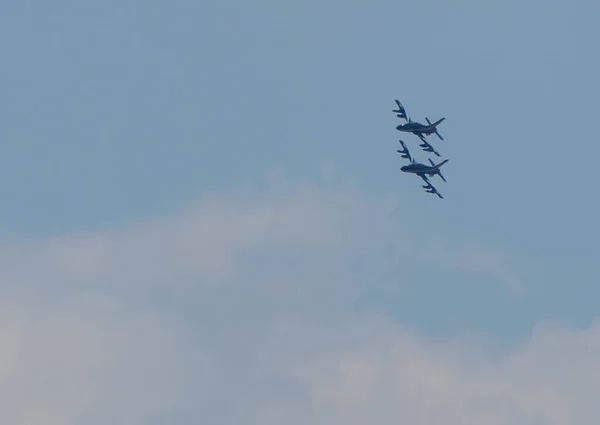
{"type": "Point", "coordinates": [420, 169]}
{"type": "Point", "coordinates": [416, 128]}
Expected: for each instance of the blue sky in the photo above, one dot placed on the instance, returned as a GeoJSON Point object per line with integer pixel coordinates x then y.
{"type": "Point", "coordinates": [121, 113]}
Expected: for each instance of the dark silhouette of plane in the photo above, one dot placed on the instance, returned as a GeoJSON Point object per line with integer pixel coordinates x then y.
{"type": "Point", "coordinates": [421, 129]}
{"type": "Point", "coordinates": [417, 128]}
{"type": "Point", "coordinates": [422, 170]}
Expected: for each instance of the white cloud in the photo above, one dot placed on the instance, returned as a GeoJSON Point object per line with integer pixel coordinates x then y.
{"type": "Point", "coordinates": [203, 242]}
{"type": "Point", "coordinates": [475, 260]}
{"type": "Point", "coordinates": [370, 370]}
{"type": "Point", "coordinates": [69, 362]}
{"type": "Point", "coordinates": [88, 335]}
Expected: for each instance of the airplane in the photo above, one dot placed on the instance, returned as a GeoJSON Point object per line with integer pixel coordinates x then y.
{"type": "Point", "coordinates": [416, 127]}
{"type": "Point", "coordinates": [423, 171]}
{"type": "Point", "coordinates": [421, 129]}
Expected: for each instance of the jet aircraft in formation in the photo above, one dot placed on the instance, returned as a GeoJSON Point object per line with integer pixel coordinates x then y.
{"type": "Point", "coordinates": [421, 131]}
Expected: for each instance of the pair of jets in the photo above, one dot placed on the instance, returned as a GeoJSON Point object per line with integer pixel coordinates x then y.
{"type": "Point", "coordinates": [421, 130]}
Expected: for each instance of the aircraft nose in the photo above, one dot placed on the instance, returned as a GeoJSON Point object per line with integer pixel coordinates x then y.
{"type": "Point", "coordinates": [398, 127]}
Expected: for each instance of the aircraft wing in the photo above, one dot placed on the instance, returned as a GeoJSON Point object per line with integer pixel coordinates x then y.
{"type": "Point", "coordinates": [404, 152]}
{"type": "Point", "coordinates": [429, 188]}
{"type": "Point", "coordinates": [401, 111]}
{"type": "Point", "coordinates": [426, 146]}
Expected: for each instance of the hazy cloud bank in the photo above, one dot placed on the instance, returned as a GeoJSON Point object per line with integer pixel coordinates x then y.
{"type": "Point", "coordinates": [239, 311]}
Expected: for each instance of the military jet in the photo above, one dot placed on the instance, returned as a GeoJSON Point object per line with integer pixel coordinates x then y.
{"type": "Point", "coordinates": [423, 171]}
{"type": "Point", "coordinates": [421, 130]}
{"type": "Point", "coordinates": [417, 128]}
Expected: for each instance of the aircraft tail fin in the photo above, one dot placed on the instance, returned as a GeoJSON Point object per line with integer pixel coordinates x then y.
{"type": "Point", "coordinates": [437, 167]}
{"type": "Point", "coordinates": [434, 125]}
